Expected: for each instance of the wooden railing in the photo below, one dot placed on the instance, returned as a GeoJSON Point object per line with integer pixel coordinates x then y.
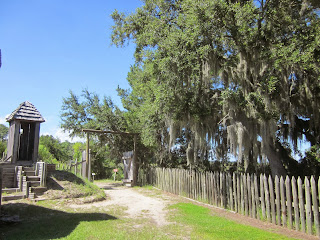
{"type": "Point", "coordinates": [285, 201]}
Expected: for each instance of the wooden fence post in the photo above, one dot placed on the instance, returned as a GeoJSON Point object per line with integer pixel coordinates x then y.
{"type": "Point", "coordinates": [245, 191]}
{"type": "Point", "coordinates": [231, 200]}
{"type": "Point", "coordinates": [256, 195]}
{"type": "Point", "coordinates": [283, 203]}
{"type": "Point", "coordinates": [253, 202]}
{"type": "Point", "coordinates": [315, 205]}
{"type": "Point", "coordinates": [249, 195]}
{"type": "Point", "coordinates": [234, 182]}
{"type": "Point", "coordinates": [301, 203]}
{"type": "Point", "coordinates": [308, 205]}
{"type": "Point", "coordinates": [289, 201]}
{"type": "Point", "coordinates": [295, 203]}
{"type": "Point", "coordinates": [262, 199]}
{"type": "Point", "coordinates": [277, 185]}
{"type": "Point", "coordinates": [267, 197]}
{"type": "Point", "coordinates": [272, 203]}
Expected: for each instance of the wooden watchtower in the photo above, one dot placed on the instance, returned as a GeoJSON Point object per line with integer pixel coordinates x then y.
{"type": "Point", "coordinates": [24, 131]}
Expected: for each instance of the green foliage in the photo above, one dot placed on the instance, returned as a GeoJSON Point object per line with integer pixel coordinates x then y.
{"type": "Point", "coordinates": [3, 148]}
{"type": "Point", "coordinates": [310, 164]}
{"type": "Point", "coordinates": [62, 152]}
{"type": "Point", "coordinates": [3, 132]}
{"type": "Point", "coordinates": [46, 156]}
{"type": "Point", "coordinates": [78, 147]}
{"type": "Point", "coordinates": [88, 111]}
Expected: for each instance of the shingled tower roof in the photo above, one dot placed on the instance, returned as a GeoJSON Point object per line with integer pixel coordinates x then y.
{"type": "Point", "coordinates": [27, 112]}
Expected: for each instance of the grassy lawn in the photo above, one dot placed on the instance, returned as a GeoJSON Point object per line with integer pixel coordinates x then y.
{"type": "Point", "coordinates": [204, 225]}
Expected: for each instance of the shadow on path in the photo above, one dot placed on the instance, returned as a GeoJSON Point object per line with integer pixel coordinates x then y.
{"type": "Point", "coordinates": [109, 186]}
{"type": "Point", "coordinates": [38, 222]}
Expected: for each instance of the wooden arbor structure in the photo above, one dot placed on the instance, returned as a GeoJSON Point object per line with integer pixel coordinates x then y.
{"type": "Point", "coordinates": [134, 163]}
{"type": "Point", "coordinates": [24, 132]}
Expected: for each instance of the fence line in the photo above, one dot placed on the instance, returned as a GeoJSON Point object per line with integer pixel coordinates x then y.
{"type": "Point", "coordinates": [285, 201]}
{"type": "Point", "coordinates": [76, 167]}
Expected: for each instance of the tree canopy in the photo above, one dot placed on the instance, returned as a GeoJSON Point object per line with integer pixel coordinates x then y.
{"type": "Point", "coordinates": [220, 76]}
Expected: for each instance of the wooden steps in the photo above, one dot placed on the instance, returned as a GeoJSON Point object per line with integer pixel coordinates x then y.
{"type": "Point", "coordinates": [13, 197]}
{"type": "Point", "coordinates": [10, 190]}
{"type": "Point", "coordinates": [21, 182]}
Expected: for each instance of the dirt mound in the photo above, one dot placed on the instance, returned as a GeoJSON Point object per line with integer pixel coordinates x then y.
{"type": "Point", "coordinates": [63, 184]}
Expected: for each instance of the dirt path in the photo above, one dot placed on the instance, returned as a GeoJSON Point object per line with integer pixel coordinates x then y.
{"type": "Point", "coordinates": [137, 205]}
{"type": "Point", "coordinates": [145, 204]}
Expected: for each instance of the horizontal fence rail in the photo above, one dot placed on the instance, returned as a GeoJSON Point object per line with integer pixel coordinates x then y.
{"type": "Point", "coordinates": [285, 201]}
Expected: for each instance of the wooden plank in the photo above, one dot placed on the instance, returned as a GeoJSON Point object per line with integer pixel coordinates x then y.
{"type": "Point", "coordinates": [197, 197]}
{"type": "Point", "coordinates": [289, 202]}
{"type": "Point", "coordinates": [204, 187]}
{"type": "Point", "coordinates": [234, 182]}
{"type": "Point", "coordinates": [262, 198]}
{"type": "Point", "coordinates": [207, 184]}
{"type": "Point", "coordinates": [272, 202]}
{"type": "Point", "coordinates": [267, 197]}
{"type": "Point", "coordinates": [231, 199]}
{"type": "Point", "coordinates": [224, 188]}
{"type": "Point", "coordinates": [242, 194]}
{"type": "Point", "coordinates": [283, 202]}
{"type": "Point", "coordinates": [301, 206]}
{"type": "Point", "coordinates": [245, 191]}
{"type": "Point", "coordinates": [211, 189]}
{"type": "Point", "coordinates": [253, 202]}
{"type": "Point", "coordinates": [256, 195]}
{"type": "Point", "coordinates": [295, 203]}
{"type": "Point", "coordinates": [249, 194]}
{"type": "Point", "coordinates": [221, 189]}
{"type": "Point", "coordinates": [215, 189]}
{"type": "Point", "coordinates": [277, 186]}
{"type": "Point", "coordinates": [308, 205]}
{"type": "Point", "coordinates": [239, 193]}
{"type": "Point", "coordinates": [315, 206]}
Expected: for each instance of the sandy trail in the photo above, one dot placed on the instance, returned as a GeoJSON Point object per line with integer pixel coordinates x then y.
{"type": "Point", "coordinates": [136, 204]}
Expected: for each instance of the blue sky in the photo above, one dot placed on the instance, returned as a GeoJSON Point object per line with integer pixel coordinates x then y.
{"type": "Point", "coordinates": [52, 46]}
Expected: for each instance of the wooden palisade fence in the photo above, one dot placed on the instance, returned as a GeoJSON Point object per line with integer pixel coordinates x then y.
{"type": "Point", "coordinates": [285, 201]}
{"type": "Point", "coordinates": [76, 167]}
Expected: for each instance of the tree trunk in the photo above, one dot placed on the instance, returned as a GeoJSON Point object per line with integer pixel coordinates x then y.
{"type": "Point", "coordinates": [275, 161]}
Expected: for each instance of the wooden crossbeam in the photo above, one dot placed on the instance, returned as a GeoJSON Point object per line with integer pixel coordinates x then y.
{"type": "Point", "coordinates": [105, 132]}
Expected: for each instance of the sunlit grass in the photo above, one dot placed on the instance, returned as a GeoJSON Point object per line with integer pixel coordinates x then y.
{"type": "Point", "coordinates": [207, 226]}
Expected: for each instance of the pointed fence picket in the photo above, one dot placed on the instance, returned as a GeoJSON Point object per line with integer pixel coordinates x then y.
{"type": "Point", "coordinates": [283, 200]}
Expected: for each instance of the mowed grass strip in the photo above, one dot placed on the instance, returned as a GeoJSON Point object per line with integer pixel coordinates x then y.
{"type": "Point", "coordinates": [205, 225]}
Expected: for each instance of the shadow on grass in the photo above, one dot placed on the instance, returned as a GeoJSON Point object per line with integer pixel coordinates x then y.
{"type": "Point", "coordinates": [67, 176]}
{"type": "Point", "coordinates": [59, 175]}
{"type": "Point", "coordinates": [44, 223]}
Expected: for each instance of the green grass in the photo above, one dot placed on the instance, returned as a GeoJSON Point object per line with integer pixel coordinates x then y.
{"type": "Point", "coordinates": [207, 226]}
